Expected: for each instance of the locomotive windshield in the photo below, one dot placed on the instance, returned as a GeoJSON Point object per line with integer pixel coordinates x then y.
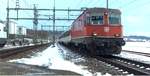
{"type": "Point", "coordinates": [95, 20]}
{"type": "Point", "coordinates": [114, 19]}
{"type": "Point", "coordinates": [99, 19]}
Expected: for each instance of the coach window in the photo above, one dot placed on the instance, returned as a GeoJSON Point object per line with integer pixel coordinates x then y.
{"type": "Point", "coordinates": [97, 20]}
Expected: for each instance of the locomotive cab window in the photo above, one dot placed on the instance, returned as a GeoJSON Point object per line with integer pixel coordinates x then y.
{"type": "Point", "coordinates": [115, 19]}
{"type": "Point", "coordinates": [97, 20]}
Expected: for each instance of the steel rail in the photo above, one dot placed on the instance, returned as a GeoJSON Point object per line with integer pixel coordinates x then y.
{"type": "Point", "coordinates": [116, 61]}
{"type": "Point", "coordinates": [139, 53]}
{"type": "Point", "coordinates": [4, 53]}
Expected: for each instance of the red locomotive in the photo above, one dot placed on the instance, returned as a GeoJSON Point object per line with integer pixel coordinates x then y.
{"type": "Point", "coordinates": [98, 30]}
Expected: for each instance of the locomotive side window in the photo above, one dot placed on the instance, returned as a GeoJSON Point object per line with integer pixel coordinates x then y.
{"type": "Point", "coordinates": [88, 20]}
{"type": "Point", "coordinates": [114, 19]}
{"type": "Point", "coordinates": [97, 20]}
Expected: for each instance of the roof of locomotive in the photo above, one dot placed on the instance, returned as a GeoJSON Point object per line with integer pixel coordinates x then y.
{"type": "Point", "coordinates": [98, 10]}
{"type": "Point", "coordinates": [102, 10]}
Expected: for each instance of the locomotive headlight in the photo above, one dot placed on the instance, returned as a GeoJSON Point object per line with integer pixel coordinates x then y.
{"type": "Point", "coordinates": [94, 34]}
{"type": "Point", "coordinates": [117, 35]}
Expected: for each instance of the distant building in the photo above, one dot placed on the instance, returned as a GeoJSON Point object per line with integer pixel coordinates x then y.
{"type": "Point", "coordinates": [2, 31]}
{"type": "Point", "coordinates": [21, 30]}
{"type": "Point", "coordinates": [12, 27]}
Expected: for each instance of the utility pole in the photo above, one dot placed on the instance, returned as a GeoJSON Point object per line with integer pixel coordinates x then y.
{"type": "Point", "coordinates": [42, 34]}
{"type": "Point", "coordinates": [35, 24]}
{"type": "Point", "coordinates": [54, 24]}
{"type": "Point", "coordinates": [17, 7]}
{"type": "Point", "coordinates": [107, 5]}
{"type": "Point", "coordinates": [68, 13]}
{"type": "Point", "coordinates": [7, 23]}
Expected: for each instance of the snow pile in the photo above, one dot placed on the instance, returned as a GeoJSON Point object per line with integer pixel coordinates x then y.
{"type": "Point", "coordinates": [137, 46]}
{"type": "Point", "coordinates": [52, 59]}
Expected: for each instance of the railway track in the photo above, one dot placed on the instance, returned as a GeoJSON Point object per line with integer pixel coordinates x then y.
{"type": "Point", "coordinates": [126, 65]}
{"type": "Point", "coordinates": [6, 53]}
{"type": "Point", "coordinates": [139, 53]}
{"type": "Point", "coordinates": [123, 65]}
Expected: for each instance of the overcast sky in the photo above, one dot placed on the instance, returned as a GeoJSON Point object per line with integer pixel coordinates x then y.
{"type": "Point", "coordinates": [135, 13]}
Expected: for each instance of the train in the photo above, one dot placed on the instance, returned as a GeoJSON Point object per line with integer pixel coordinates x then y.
{"type": "Point", "coordinates": [98, 30]}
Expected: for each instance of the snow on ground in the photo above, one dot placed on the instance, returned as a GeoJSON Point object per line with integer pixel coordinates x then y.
{"type": "Point", "coordinates": [135, 57]}
{"type": "Point", "coordinates": [137, 46]}
{"type": "Point", "coordinates": [52, 59]}
{"type": "Point", "coordinates": [11, 46]}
